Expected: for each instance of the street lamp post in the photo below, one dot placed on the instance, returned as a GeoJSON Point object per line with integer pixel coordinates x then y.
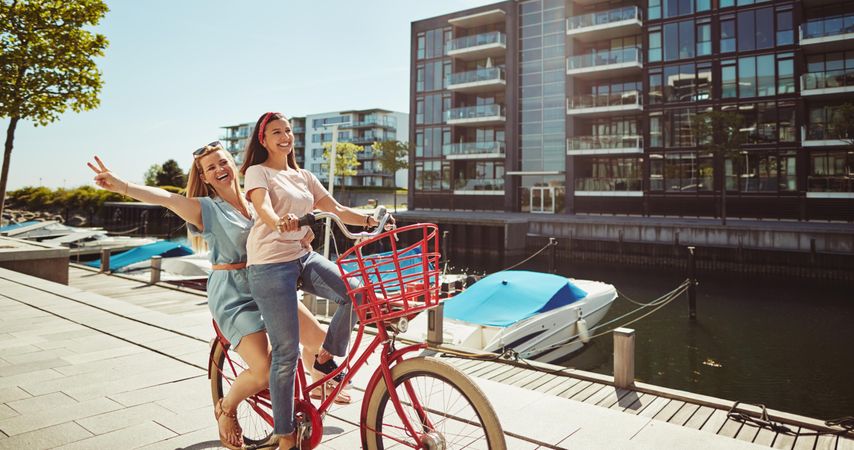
{"type": "Point", "coordinates": [332, 155]}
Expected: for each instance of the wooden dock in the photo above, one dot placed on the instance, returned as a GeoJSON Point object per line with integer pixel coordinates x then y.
{"type": "Point", "coordinates": [540, 406]}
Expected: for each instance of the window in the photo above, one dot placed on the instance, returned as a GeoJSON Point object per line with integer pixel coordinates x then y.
{"type": "Point", "coordinates": [676, 127]}
{"type": "Point", "coordinates": [704, 5]}
{"type": "Point", "coordinates": [785, 36]}
{"type": "Point", "coordinates": [655, 46]}
{"type": "Point", "coordinates": [764, 28]}
{"type": "Point", "coordinates": [655, 133]}
{"type": "Point", "coordinates": [656, 172]}
{"type": "Point", "coordinates": [656, 94]}
{"type": "Point", "coordinates": [785, 74]}
{"type": "Point", "coordinates": [421, 46]}
{"type": "Point", "coordinates": [746, 34]}
{"type": "Point", "coordinates": [687, 171]}
{"type": "Point", "coordinates": [727, 36]}
{"type": "Point", "coordinates": [609, 174]}
{"type": "Point", "coordinates": [831, 172]}
{"type": "Point", "coordinates": [765, 75]}
{"type": "Point", "coordinates": [704, 82]}
{"type": "Point", "coordinates": [654, 10]}
{"type": "Point", "coordinates": [678, 40]}
{"type": "Point", "coordinates": [675, 8]}
{"type": "Point", "coordinates": [726, 3]}
{"type": "Point", "coordinates": [786, 120]}
{"type": "Point", "coordinates": [704, 39]}
{"type": "Point", "coordinates": [729, 82]}
{"type": "Point", "coordinates": [747, 77]}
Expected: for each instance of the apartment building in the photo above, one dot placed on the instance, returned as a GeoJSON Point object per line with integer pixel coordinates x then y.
{"type": "Point", "coordinates": [586, 106]}
{"type": "Point", "coordinates": [360, 127]}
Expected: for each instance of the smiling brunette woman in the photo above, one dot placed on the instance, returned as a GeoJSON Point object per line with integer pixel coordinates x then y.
{"type": "Point", "coordinates": [216, 209]}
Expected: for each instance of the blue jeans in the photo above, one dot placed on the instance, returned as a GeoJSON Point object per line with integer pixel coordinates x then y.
{"type": "Point", "coordinates": [274, 287]}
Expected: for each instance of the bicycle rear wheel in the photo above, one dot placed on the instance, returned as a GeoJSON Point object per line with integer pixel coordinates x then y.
{"type": "Point", "coordinates": [255, 413]}
{"type": "Point", "coordinates": [441, 402]}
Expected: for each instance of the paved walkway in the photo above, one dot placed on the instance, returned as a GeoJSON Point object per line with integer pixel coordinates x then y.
{"type": "Point", "coordinates": [79, 370]}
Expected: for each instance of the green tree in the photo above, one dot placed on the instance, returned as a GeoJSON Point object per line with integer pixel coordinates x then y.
{"type": "Point", "coordinates": [47, 63]}
{"type": "Point", "coordinates": [720, 133]}
{"type": "Point", "coordinates": [842, 123]}
{"type": "Point", "coordinates": [151, 174]}
{"type": "Point", "coordinates": [346, 159]}
{"type": "Point", "coordinates": [392, 156]}
{"type": "Point", "coordinates": [171, 174]}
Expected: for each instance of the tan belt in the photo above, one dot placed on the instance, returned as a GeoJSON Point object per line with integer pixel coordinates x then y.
{"type": "Point", "coordinates": [234, 266]}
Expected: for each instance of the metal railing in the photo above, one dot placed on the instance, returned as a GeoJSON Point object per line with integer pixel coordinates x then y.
{"type": "Point", "coordinates": [474, 112]}
{"type": "Point", "coordinates": [604, 58]}
{"type": "Point", "coordinates": [600, 100]}
{"type": "Point", "coordinates": [375, 121]}
{"type": "Point", "coordinates": [831, 183]}
{"type": "Point", "coordinates": [602, 17]}
{"type": "Point", "coordinates": [827, 79]}
{"type": "Point", "coordinates": [473, 148]}
{"type": "Point", "coordinates": [461, 43]}
{"type": "Point", "coordinates": [604, 142]}
{"type": "Point", "coordinates": [480, 184]}
{"type": "Point", "coordinates": [473, 76]}
{"type": "Point", "coordinates": [828, 26]}
{"type": "Point", "coordinates": [609, 184]}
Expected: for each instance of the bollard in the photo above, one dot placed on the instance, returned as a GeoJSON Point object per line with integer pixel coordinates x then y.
{"type": "Point", "coordinates": [435, 322]}
{"type": "Point", "coordinates": [553, 255]}
{"type": "Point", "coordinates": [445, 256]}
{"type": "Point", "coordinates": [624, 357]}
{"type": "Point", "coordinates": [156, 261]}
{"type": "Point", "coordinates": [105, 260]}
{"type": "Point", "coordinates": [692, 285]}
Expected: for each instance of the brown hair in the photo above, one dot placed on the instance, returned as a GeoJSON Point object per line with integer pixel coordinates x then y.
{"type": "Point", "coordinates": [255, 153]}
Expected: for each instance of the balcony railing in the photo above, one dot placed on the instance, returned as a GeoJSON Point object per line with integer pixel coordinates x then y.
{"type": "Point", "coordinates": [474, 76]}
{"type": "Point", "coordinates": [602, 100]}
{"type": "Point", "coordinates": [602, 17]}
{"type": "Point", "coordinates": [609, 184]}
{"type": "Point", "coordinates": [582, 143]}
{"type": "Point", "coordinates": [604, 58]}
{"type": "Point", "coordinates": [299, 143]}
{"type": "Point", "coordinates": [823, 132]}
{"type": "Point", "coordinates": [298, 129]}
{"type": "Point", "coordinates": [831, 183]}
{"type": "Point", "coordinates": [474, 112]}
{"type": "Point", "coordinates": [480, 184]}
{"type": "Point", "coordinates": [828, 79]}
{"type": "Point", "coordinates": [389, 122]}
{"type": "Point", "coordinates": [461, 43]}
{"type": "Point", "coordinates": [473, 148]}
{"type": "Point", "coordinates": [828, 26]}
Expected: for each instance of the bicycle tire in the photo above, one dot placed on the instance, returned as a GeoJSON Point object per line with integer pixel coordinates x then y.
{"type": "Point", "coordinates": [472, 411]}
{"type": "Point", "coordinates": [256, 430]}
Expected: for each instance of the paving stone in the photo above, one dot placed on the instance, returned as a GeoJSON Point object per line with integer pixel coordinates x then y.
{"type": "Point", "coordinates": [188, 421]}
{"type": "Point", "coordinates": [38, 376]}
{"type": "Point", "coordinates": [206, 438]}
{"type": "Point", "coordinates": [120, 350]}
{"type": "Point", "coordinates": [7, 412]}
{"type": "Point", "coordinates": [123, 418]}
{"type": "Point", "coordinates": [177, 390]}
{"type": "Point", "coordinates": [41, 403]}
{"type": "Point", "coordinates": [131, 437]}
{"type": "Point", "coordinates": [50, 437]}
{"type": "Point", "coordinates": [142, 380]}
{"type": "Point", "coordinates": [30, 422]}
{"type": "Point", "coordinates": [18, 368]}
{"type": "Point", "coordinates": [12, 393]}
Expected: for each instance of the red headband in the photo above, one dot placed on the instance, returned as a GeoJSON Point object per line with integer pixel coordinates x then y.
{"type": "Point", "coordinates": [264, 125]}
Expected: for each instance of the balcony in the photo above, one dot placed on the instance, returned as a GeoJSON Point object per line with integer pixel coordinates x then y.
{"type": "Point", "coordinates": [479, 19]}
{"type": "Point", "coordinates": [603, 25]}
{"type": "Point", "coordinates": [373, 122]}
{"type": "Point", "coordinates": [828, 33]}
{"type": "Point", "coordinates": [478, 46]}
{"type": "Point", "coordinates": [831, 82]}
{"type": "Point", "coordinates": [617, 63]}
{"type": "Point", "coordinates": [480, 80]}
{"type": "Point", "coordinates": [839, 185]}
{"type": "Point", "coordinates": [474, 150]}
{"type": "Point", "coordinates": [297, 129]}
{"type": "Point", "coordinates": [823, 135]}
{"type": "Point", "coordinates": [608, 187]}
{"type": "Point", "coordinates": [604, 104]}
{"type": "Point", "coordinates": [299, 144]}
{"type": "Point", "coordinates": [476, 115]}
{"type": "Point", "coordinates": [480, 186]}
{"type": "Point", "coordinates": [604, 145]}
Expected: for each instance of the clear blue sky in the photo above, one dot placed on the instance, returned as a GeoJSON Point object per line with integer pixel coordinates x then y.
{"type": "Point", "coordinates": [175, 71]}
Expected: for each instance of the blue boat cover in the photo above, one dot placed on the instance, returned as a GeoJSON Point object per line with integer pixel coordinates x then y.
{"type": "Point", "coordinates": [166, 249]}
{"type": "Point", "coordinates": [504, 298]}
{"type": "Point", "coordinates": [13, 226]}
{"type": "Point", "coordinates": [410, 263]}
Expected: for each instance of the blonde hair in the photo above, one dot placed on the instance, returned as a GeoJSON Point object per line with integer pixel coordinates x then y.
{"type": "Point", "coordinates": [196, 187]}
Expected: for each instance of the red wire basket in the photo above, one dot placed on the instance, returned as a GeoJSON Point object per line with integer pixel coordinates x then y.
{"type": "Point", "coordinates": [401, 279]}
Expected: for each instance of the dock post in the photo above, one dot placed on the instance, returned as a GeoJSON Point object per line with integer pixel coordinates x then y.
{"type": "Point", "coordinates": [156, 260]}
{"type": "Point", "coordinates": [553, 255]}
{"type": "Point", "coordinates": [624, 357]}
{"type": "Point", "coordinates": [692, 284]}
{"type": "Point", "coordinates": [105, 260]}
{"type": "Point", "coordinates": [445, 256]}
{"type": "Point", "coordinates": [812, 251]}
{"type": "Point", "coordinates": [435, 321]}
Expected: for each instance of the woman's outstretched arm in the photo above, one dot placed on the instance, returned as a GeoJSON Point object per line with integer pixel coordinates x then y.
{"type": "Point", "coordinates": [188, 209]}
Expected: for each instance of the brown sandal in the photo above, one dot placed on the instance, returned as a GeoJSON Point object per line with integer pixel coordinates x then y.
{"type": "Point", "coordinates": [219, 411]}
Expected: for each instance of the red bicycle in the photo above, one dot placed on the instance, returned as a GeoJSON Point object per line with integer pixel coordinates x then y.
{"type": "Point", "coordinates": [410, 401]}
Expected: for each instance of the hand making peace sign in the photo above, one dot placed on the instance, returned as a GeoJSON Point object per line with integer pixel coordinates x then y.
{"type": "Point", "coordinates": [106, 179]}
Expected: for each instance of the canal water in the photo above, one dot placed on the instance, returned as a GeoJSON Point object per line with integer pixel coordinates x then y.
{"type": "Point", "coordinates": [788, 344]}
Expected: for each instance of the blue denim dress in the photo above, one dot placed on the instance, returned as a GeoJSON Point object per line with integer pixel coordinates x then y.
{"type": "Point", "coordinates": [229, 298]}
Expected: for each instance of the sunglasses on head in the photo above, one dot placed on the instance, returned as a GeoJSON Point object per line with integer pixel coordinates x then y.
{"type": "Point", "coordinates": [201, 150]}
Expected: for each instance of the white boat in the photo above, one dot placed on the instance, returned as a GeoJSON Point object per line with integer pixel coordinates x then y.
{"type": "Point", "coordinates": [539, 316]}
{"type": "Point", "coordinates": [191, 270]}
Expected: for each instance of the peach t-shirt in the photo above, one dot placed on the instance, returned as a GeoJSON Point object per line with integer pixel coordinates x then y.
{"type": "Point", "coordinates": [290, 191]}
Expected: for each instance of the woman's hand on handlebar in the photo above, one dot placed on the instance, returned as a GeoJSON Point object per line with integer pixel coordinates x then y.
{"type": "Point", "coordinates": [389, 225]}
{"type": "Point", "coordinates": [288, 222]}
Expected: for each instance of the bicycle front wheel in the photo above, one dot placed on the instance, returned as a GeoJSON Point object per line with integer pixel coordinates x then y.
{"type": "Point", "coordinates": [444, 406]}
{"type": "Point", "coordinates": [254, 413]}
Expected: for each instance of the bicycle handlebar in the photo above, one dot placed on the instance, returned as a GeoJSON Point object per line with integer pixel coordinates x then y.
{"type": "Point", "coordinates": [381, 214]}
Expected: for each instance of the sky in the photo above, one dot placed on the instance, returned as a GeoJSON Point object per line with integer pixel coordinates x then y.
{"type": "Point", "coordinates": [176, 71]}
